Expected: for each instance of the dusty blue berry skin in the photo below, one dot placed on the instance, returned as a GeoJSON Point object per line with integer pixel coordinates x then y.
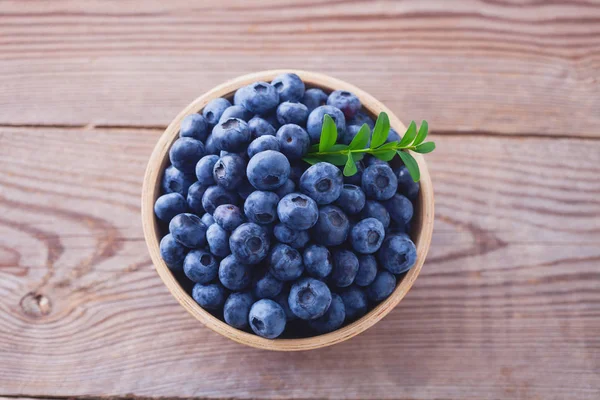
{"type": "Point", "coordinates": [383, 285]}
{"type": "Point", "coordinates": [237, 308]}
{"type": "Point", "coordinates": [232, 135]}
{"type": "Point", "coordinates": [370, 160]}
{"type": "Point", "coordinates": [332, 227]}
{"type": "Point", "coordinates": [296, 171]}
{"type": "Point", "coordinates": [309, 298]}
{"type": "Point", "coordinates": [352, 199]}
{"type": "Point", "coordinates": [211, 296]}
{"type": "Point", "coordinates": [194, 198]}
{"type": "Point", "coordinates": [216, 195]}
{"type": "Point", "coordinates": [207, 220]}
{"type": "Point", "coordinates": [374, 209]}
{"type": "Point", "coordinates": [346, 101]}
{"type": "Point", "coordinates": [292, 113]}
{"type": "Point", "coordinates": [175, 181]}
{"type": "Point", "coordinates": [234, 274]}
{"type": "Point", "coordinates": [188, 230]}
{"type": "Point", "coordinates": [204, 169]}
{"type": "Point", "coordinates": [397, 254]}
{"type": "Point", "coordinates": [218, 240]}
{"type": "Point", "coordinates": [185, 153]}
{"type": "Point", "coordinates": [169, 205]}
{"type": "Point", "coordinates": [288, 187]}
{"type": "Point", "coordinates": [260, 127]}
{"type": "Point", "coordinates": [229, 171]}
{"type": "Point", "coordinates": [249, 242]}
{"type": "Point", "coordinates": [367, 235]}
{"type": "Point", "coordinates": [289, 86]}
{"type": "Point", "coordinates": [356, 179]}
{"type": "Point", "coordinates": [210, 146]}
{"type": "Point", "coordinates": [361, 118]}
{"type": "Point", "coordinates": [298, 211]}
{"type": "Point", "coordinates": [355, 302]}
{"type": "Point", "coordinates": [214, 109]}
{"type": "Point", "coordinates": [268, 170]}
{"type": "Point", "coordinates": [314, 98]}
{"type": "Point", "coordinates": [172, 252]}
{"type": "Point", "coordinates": [400, 209]}
{"type": "Point", "coordinates": [406, 185]}
{"type": "Point", "coordinates": [261, 207]}
{"type": "Point", "coordinates": [285, 262]}
{"type": "Point", "coordinates": [332, 319]}
{"type": "Point", "coordinates": [258, 97]}
{"type": "Point", "coordinates": [317, 261]}
{"type": "Point", "coordinates": [228, 216]}
{"type": "Point", "coordinates": [294, 238]}
{"type": "Point", "coordinates": [271, 118]}
{"type": "Point", "coordinates": [323, 182]}
{"type": "Point", "coordinates": [379, 182]}
{"type": "Point", "coordinates": [266, 286]}
{"type": "Point", "coordinates": [314, 124]}
{"type": "Point", "coordinates": [293, 141]}
{"type": "Point", "coordinates": [267, 319]}
{"type": "Point", "coordinates": [393, 136]}
{"type": "Point", "coordinates": [367, 269]}
{"type": "Point", "coordinates": [282, 300]}
{"type": "Point", "coordinates": [345, 268]}
{"type": "Point", "coordinates": [350, 133]}
{"type": "Point", "coordinates": [236, 111]}
{"type": "Point", "coordinates": [263, 143]}
{"type": "Point", "coordinates": [200, 266]}
{"type": "Point", "coordinates": [194, 126]}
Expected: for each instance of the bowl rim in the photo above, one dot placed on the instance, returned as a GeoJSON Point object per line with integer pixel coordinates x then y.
{"type": "Point", "coordinates": [151, 190]}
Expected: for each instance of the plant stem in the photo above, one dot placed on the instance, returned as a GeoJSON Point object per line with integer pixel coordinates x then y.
{"type": "Point", "coordinates": [346, 151]}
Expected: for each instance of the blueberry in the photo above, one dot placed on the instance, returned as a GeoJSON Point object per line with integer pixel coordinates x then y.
{"type": "Point", "coordinates": [258, 97]}
{"type": "Point", "coordinates": [285, 262]}
{"type": "Point", "coordinates": [185, 153]}
{"type": "Point", "coordinates": [263, 143]}
{"type": "Point", "coordinates": [245, 188]}
{"type": "Point", "coordinates": [249, 242]}
{"type": "Point", "coordinates": [323, 182]}
{"type": "Point", "coordinates": [345, 268]}
{"type": "Point", "coordinates": [228, 216]}
{"type": "Point", "coordinates": [234, 274]}
{"type": "Point", "coordinates": [370, 160]}
{"type": "Point", "coordinates": [298, 211]}
{"type": "Point", "coordinates": [237, 112]}
{"type": "Point", "coordinates": [266, 287]}
{"type": "Point", "coordinates": [332, 227]}
{"type": "Point", "coordinates": [309, 298]}
{"type": "Point", "coordinates": [288, 187]}
{"type": "Point", "coordinates": [355, 302]}
{"type": "Point", "coordinates": [282, 300]}
{"type": "Point", "coordinates": [317, 261]}
{"type": "Point", "coordinates": [231, 135]}
{"type": "Point", "coordinates": [361, 118]}
{"type": "Point", "coordinates": [400, 209]}
{"type": "Point", "coordinates": [214, 109]}
{"type": "Point", "coordinates": [169, 205]}
{"type": "Point", "coordinates": [200, 266]}
{"type": "Point", "coordinates": [260, 127]}
{"type": "Point", "coordinates": [332, 319]}
{"type": "Point", "coordinates": [379, 182]}
{"type": "Point", "coordinates": [374, 209]}
{"type": "Point", "coordinates": [367, 235]}
{"type": "Point", "coordinates": [268, 170]}
{"type": "Point", "coordinates": [271, 118]}
{"type": "Point", "coordinates": [216, 195]}
{"type": "Point", "coordinates": [218, 240]}
{"type": "Point", "coordinates": [314, 124]}
{"type": "Point", "coordinates": [267, 319]}
{"type": "Point", "coordinates": [210, 146]}
{"type": "Point", "coordinates": [356, 179]}
{"type": "Point", "coordinates": [367, 269]}
{"type": "Point", "coordinates": [296, 239]}
{"type": "Point", "coordinates": [352, 199]}
{"type": "Point", "coordinates": [292, 113]}
{"type": "Point", "coordinates": [211, 296]}
{"type": "Point", "coordinates": [237, 308]}
{"type": "Point", "coordinates": [383, 285]}
{"type": "Point", "coordinates": [397, 253]}
{"type": "Point", "coordinates": [350, 133]}
{"type": "Point", "coordinates": [261, 207]}
{"type": "Point", "coordinates": [229, 171]}
{"type": "Point", "coordinates": [289, 86]}
{"type": "Point", "coordinates": [188, 230]}
{"type": "Point", "coordinates": [399, 227]}
{"type": "Point", "coordinates": [296, 172]}
{"type": "Point", "coordinates": [172, 252]}
{"type": "Point", "coordinates": [406, 185]}
{"type": "Point", "coordinates": [346, 101]}
{"type": "Point", "coordinates": [293, 141]}
{"type": "Point", "coordinates": [175, 181]}
{"type": "Point", "coordinates": [393, 136]}
{"type": "Point", "coordinates": [207, 220]}
{"type": "Point", "coordinates": [314, 98]}
{"type": "Point", "coordinates": [194, 198]}
{"type": "Point", "coordinates": [204, 169]}
{"type": "Point", "coordinates": [194, 126]}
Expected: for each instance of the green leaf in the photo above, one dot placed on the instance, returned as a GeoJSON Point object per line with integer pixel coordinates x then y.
{"type": "Point", "coordinates": [423, 129]}
{"type": "Point", "coordinates": [311, 160]}
{"type": "Point", "coordinates": [328, 134]}
{"type": "Point", "coordinates": [358, 156]}
{"type": "Point", "coordinates": [381, 130]}
{"type": "Point", "coordinates": [424, 148]}
{"type": "Point", "coordinates": [335, 159]}
{"type": "Point", "coordinates": [314, 148]}
{"type": "Point", "coordinates": [361, 139]}
{"type": "Point", "coordinates": [411, 165]}
{"type": "Point", "coordinates": [338, 147]}
{"type": "Point", "coordinates": [385, 155]}
{"type": "Point", "coordinates": [389, 146]}
{"type": "Point", "coordinates": [410, 134]}
{"type": "Point", "coordinates": [350, 168]}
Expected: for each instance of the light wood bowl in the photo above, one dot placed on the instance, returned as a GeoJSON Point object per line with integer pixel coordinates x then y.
{"type": "Point", "coordinates": [421, 230]}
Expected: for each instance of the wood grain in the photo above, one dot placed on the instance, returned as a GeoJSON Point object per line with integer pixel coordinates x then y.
{"type": "Point", "coordinates": [476, 65]}
{"type": "Point", "coordinates": [507, 304]}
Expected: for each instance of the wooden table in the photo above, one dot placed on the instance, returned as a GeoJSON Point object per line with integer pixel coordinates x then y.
{"type": "Point", "coordinates": [508, 302]}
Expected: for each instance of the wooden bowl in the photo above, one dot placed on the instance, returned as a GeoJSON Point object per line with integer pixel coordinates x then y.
{"type": "Point", "coordinates": [421, 234]}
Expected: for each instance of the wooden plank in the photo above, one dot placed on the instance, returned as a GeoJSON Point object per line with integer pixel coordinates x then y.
{"type": "Point", "coordinates": [507, 305]}
{"type": "Point", "coordinates": [479, 65]}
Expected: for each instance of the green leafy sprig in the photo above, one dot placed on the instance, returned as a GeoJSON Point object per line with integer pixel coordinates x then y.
{"type": "Point", "coordinates": [328, 150]}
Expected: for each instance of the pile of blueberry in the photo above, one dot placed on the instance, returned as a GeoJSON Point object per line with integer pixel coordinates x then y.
{"type": "Point", "coordinates": [269, 242]}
